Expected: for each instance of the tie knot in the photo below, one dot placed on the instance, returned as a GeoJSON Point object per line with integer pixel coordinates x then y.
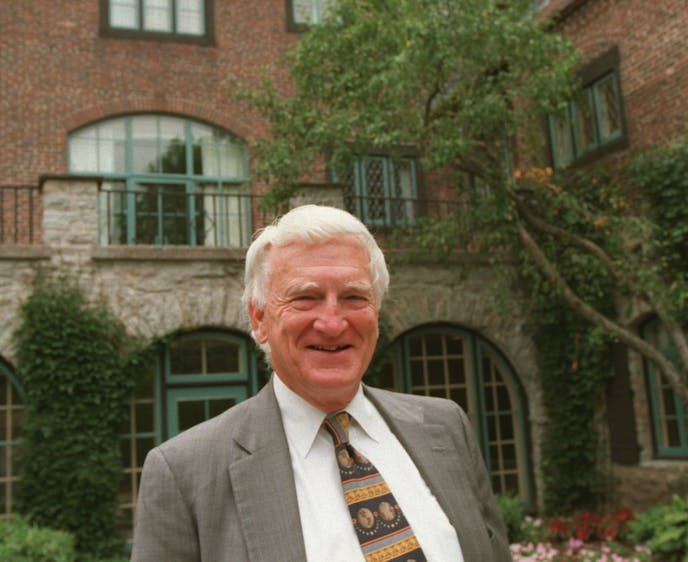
{"type": "Point", "coordinates": [338, 426]}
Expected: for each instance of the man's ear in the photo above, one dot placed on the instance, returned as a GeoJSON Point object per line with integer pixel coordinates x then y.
{"type": "Point", "coordinates": [257, 316]}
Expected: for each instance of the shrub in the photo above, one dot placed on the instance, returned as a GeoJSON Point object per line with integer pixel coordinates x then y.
{"type": "Point", "coordinates": [22, 542]}
{"type": "Point", "coordinates": [511, 508]}
{"type": "Point", "coordinates": [76, 380]}
{"type": "Point", "coordinates": [664, 529]}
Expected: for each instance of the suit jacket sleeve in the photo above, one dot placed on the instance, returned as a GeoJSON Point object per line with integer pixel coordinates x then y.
{"type": "Point", "coordinates": [165, 529]}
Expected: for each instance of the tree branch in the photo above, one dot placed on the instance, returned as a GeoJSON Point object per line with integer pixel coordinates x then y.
{"type": "Point", "coordinates": [666, 367]}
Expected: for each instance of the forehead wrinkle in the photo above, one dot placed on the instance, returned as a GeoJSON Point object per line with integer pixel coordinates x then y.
{"type": "Point", "coordinates": [300, 287]}
{"type": "Point", "coordinates": [361, 286]}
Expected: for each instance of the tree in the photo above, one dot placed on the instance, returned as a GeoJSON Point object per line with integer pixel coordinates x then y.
{"type": "Point", "coordinates": [465, 82]}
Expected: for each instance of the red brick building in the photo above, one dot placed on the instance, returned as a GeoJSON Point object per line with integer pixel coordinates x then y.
{"type": "Point", "coordinates": [641, 48]}
{"type": "Point", "coordinates": [127, 164]}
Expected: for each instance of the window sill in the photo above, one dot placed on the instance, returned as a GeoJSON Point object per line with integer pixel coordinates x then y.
{"type": "Point", "coordinates": [27, 252]}
{"type": "Point", "coordinates": [166, 253]}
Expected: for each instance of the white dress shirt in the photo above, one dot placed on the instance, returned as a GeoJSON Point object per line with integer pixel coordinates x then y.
{"type": "Point", "coordinates": [329, 535]}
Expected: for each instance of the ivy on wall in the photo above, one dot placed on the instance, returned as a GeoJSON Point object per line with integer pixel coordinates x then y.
{"type": "Point", "coordinates": [76, 365]}
{"type": "Point", "coordinates": [661, 176]}
{"type": "Point", "coordinates": [574, 367]}
{"type": "Point", "coordinates": [574, 359]}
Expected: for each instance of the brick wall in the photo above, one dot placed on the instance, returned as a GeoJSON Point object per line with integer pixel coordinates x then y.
{"type": "Point", "coordinates": [653, 46]}
{"type": "Point", "coordinates": [57, 74]}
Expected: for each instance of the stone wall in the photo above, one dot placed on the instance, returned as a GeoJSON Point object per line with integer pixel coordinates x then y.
{"type": "Point", "coordinates": [157, 291]}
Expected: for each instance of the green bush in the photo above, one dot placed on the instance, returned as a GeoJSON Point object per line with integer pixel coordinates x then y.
{"type": "Point", "coordinates": [511, 509]}
{"type": "Point", "coordinates": [76, 376]}
{"type": "Point", "coordinates": [664, 529]}
{"type": "Point", "coordinates": [22, 542]}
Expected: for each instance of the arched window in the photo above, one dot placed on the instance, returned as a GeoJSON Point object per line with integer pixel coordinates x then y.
{"type": "Point", "coordinates": [11, 426]}
{"type": "Point", "coordinates": [168, 180]}
{"type": "Point", "coordinates": [457, 364]}
{"type": "Point", "coordinates": [194, 377]}
{"type": "Point", "coordinates": [669, 418]}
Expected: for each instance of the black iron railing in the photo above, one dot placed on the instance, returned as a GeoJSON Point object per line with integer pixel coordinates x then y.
{"type": "Point", "coordinates": [167, 215]}
{"type": "Point", "coordinates": [388, 213]}
{"type": "Point", "coordinates": [19, 214]}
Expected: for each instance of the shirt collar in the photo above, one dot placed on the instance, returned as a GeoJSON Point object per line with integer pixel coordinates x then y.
{"type": "Point", "coordinates": [304, 420]}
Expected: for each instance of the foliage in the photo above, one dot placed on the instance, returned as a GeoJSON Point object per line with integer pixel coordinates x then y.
{"type": "Point", "coordinates": [573, 368]}
{"type": "Point", "coordinates": [511, 508]}
{"type": "Point", "coordinates": [76, 366]}
{"type": "Point", "coordinates": [463, 83]}
{"type": "Point", "coordinates": [664, 529]}
{"type": "Point", "coordinates": [22, 542]}
{"type": "Point", "coordinates": [452, 79]}
{"type": "Point", "coordinates": [661, 175]}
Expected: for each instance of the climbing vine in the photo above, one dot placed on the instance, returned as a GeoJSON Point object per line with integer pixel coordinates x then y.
{"type": "Point", "coordinates": [76, 366]}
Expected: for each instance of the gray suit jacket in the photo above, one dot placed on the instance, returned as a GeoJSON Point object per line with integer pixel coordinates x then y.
{"type": "Point", "coordinates": [224, 490]}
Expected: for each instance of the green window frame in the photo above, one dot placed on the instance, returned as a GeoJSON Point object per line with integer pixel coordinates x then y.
{"type": "Point", "coordinates": [11, 428]}
{"type": "Point", "coordinates": [166, 20]}
{"type": "Point", "coordinates": [592, 120]}
{"type": "Point", "coordinates": [167, 180]}
{"type": "Point", "coordinates": [668, 417]}
{"type": "Point", "coordinates": [383, 191]}
{"type": "Point", "coordinates": [193, 377]}
{"type": "Point", "coordinates": [450, 362]}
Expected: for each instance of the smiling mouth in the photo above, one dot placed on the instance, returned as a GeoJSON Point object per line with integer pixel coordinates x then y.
{"type": "Point", "coordinates": [329, 348]}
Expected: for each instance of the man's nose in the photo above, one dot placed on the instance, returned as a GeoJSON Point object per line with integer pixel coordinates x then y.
{"type": "Point", "coordinates": [330, 320]}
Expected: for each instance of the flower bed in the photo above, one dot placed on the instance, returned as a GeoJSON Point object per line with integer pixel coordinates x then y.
{"type": "Point", "coordinates": [575, 550]}
{"type": "Point", "coordinates": [585, 537]}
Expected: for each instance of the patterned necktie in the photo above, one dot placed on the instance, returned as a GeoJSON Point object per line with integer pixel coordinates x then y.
{"type": "Point", "coordinates": [380, 525]}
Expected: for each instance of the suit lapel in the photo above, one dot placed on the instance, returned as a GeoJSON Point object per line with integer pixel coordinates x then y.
{"type": "Point", "coordinates": [435, 455]}
{"type": "Point", "coordinates": [263, 483]}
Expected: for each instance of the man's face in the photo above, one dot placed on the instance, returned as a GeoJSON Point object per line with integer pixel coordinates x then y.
{"type": "Point", "coordinates": [320, 319]}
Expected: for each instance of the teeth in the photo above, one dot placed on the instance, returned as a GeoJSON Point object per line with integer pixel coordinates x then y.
{"type": "Point", "coordinates": [329, 347]}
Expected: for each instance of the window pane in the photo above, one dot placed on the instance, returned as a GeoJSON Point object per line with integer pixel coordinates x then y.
{"type": "Point", "coordinates": [190, 17]}
{"type": "Point", "coordinates": [436, 372]}
{"type": "Point", "coordinates": [83, 153]}
{"type": "Point", "coordinates": [144, 132]}
{"type": "Point", "coordinates": [231, 159]}
{"type": "Point", "coordinates": [173, 146]}
{"type": "Point", "coordinates": [374, 189]}
{"type": "Point", "coordinates": [310, 11]}
{"type": "Point", "coordinates": [586, 138]}
{"type": "Point", "coordinates": [157, 15]}
{"type": "Point", "coordinates": [112, 140]}
{"type": "Point", "coordinates": [562, 141]}
{"type": "Point", "coordinates": [113, 213]}
{"type": "Point", "coordinates": [186, 357]}
{"type": "Point", "coordinates": [404, 192]}
{"type": "Point", "coordinates": [124, 14]}
{"type": "Point", "coordinates": [304, 10]}
{"type": "Point", "coordinates": [218, 405]}
{"type": "Point", "coordinates": [609, 111]}
{"type": "Point", "coordinates": [222, 356]}
{"type": "Point", "coordinates": [100, 148]}
{"type": "Point", "coordinates": [190, 412]}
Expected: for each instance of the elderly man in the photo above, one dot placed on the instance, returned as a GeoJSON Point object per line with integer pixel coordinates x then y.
{"type": "Point", "coordinates": [262, 481]}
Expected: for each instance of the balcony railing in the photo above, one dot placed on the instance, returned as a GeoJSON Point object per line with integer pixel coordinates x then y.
{"type": "Point", "coordinates": [388, 213]}
{"type": "Point", "coordinates": [166, 215]}
{"type": "Point", "coordinates": [19, 214]}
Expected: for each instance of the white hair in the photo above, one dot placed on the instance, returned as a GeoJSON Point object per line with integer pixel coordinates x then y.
{"type": "Point", "coordinates": [310, 224]}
